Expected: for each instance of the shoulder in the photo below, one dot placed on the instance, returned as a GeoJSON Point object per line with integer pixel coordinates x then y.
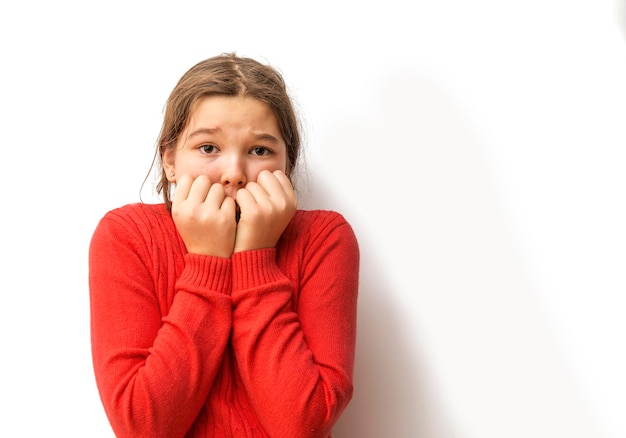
{"type": "Point", "coordinates": [137, 214]}
{"type": "Point", "coordinates": [319, 219]}
{"type": "Point", "coordinates": [319, 241]}
{"type": "Point", "coordinates": [135, 221]}
{"type": "Point", "coordinates": [312, 226]}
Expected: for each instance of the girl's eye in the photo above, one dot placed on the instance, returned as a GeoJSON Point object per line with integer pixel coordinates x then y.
{"type": "Point", "coordinates": [260, 151]}
{"type": "Point", "coordinates": [208, 148]}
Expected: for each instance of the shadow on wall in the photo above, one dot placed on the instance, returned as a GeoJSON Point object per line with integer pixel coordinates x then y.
{"type": "Point", "coordinates": [451, 339]}
{"type": "Point", "coordinates": [392, 390]}
{"type": "Point", "coordinates": [620, 12]}
{"type": "Point", "coordinates": [392, 395]}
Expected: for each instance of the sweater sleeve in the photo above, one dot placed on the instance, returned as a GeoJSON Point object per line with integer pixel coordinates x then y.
{"type": "Point", "coordinates": [297, 362]}
{"type": "Point", "coordinates": [153, 367]}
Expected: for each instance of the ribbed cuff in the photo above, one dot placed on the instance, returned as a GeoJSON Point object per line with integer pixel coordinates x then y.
{"type": "Point", "coordinates": [206, 273]}
{"type": "Point", "coordinates": [255, 268]}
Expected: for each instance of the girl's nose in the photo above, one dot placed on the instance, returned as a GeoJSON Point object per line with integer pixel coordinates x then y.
{"type": "Point", "coordinates": [234, 174]}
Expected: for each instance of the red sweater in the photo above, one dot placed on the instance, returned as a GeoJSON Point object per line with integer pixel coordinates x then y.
{"type": "Point", "coordinates": [258, 345]}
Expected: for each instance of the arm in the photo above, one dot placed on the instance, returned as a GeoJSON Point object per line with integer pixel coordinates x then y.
{"type": "Point", "coordinates": [297, 363]}
{"type": "Point", "coordinates": [154, 367]}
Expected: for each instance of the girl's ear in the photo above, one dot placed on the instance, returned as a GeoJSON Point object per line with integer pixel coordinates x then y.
{"type": "Point", "coordinates": [168, 159]}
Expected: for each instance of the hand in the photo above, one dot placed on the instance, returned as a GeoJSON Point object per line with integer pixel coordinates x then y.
{"type": "Point", "coordinates": [204, 216]}
{"type": "Point", "coordinates": [267, 206]}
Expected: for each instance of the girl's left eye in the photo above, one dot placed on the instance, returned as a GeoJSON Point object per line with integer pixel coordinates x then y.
{"type": "Point", "coordinates": [208, 148]}
{"type": "Point", "coordinates": [260, 151]}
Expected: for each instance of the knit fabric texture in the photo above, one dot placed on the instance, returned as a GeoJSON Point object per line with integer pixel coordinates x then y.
{"type": "Point", "coordinates": [260, 344]}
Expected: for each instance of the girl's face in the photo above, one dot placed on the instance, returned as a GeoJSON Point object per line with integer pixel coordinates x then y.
{"type": "Point", "coordinates": [229, 139]}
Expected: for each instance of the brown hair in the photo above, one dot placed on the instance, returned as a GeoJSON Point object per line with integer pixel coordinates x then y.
{"type": "Point", "coordinates": [227, 75]}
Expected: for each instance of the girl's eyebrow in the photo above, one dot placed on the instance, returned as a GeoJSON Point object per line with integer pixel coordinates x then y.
{"type": "Point", "coordinates": [265, 136]}
{"type": "Point", "coordinates": [201, 131]}
{"type": "Point", "coordinates": [258, 136]}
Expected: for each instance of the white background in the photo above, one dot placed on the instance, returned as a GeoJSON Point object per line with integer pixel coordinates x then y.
{"type": "Point", "coordinates": [478, 149]}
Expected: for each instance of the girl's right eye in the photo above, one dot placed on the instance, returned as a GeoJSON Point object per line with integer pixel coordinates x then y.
{"type": "Point", "coordinates": [208, 148]}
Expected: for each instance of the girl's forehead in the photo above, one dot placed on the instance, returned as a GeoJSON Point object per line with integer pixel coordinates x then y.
{"type": "Point", "coordinates": [232, 116]}
{"type": "Point", "coordinates": [231, 110]}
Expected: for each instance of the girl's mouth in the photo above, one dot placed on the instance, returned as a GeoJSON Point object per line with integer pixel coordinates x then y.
{"type": "Point", "coordinates": [237, 212]}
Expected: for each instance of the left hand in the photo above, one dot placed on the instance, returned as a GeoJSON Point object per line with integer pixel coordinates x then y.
{"type": "Point", "coordinates": [267, 206]}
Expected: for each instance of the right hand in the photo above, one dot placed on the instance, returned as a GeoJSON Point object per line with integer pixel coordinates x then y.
{"type": "Point", "coordinates": [204, 216]}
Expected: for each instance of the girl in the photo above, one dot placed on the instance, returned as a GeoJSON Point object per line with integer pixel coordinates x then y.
{"type": "Point", "coordinates": [224, 311]}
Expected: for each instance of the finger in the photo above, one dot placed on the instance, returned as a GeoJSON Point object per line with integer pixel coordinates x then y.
{"type": "Point", "coordinates": [257, 192]}
{"type": "Point", "coordinates": [279, 187]}
{"type": "Point", "coordinates": [183, 184]}
{"type": "Point", "coordinates": [244, 197]}
{"type": "Point", "coordinates": [215, 196]}
{"type": "Point", "coordinates": [228, 207]}
{"type": "Point", "coordinates": [199, 189]}
{"type": "Point", "coordinates": [269, 182]}
{"type": "Point", "coordinates": [285, 183]}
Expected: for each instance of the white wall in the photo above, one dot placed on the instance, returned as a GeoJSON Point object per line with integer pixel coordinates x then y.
{"type": "Point", "coordinates": [476, 147]}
